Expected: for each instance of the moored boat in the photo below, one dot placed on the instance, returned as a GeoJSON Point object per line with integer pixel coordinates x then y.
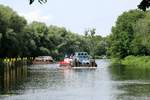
{"type": "Point", "coordinates": [42, 60]}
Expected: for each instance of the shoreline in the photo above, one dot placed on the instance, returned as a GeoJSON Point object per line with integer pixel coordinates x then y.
{"type": "Point", "coordinates": [133, 61]}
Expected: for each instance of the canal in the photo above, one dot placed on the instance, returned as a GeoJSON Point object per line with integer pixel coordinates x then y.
{"type": "Point", "coordinates": [48, 82]}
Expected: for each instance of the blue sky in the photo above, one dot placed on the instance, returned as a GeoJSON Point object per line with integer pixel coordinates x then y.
{"type": "Point", "coordinates": [75, 15]}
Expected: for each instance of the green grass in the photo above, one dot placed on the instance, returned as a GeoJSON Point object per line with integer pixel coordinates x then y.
{"type": "Point", "coordinates": [137, 61]}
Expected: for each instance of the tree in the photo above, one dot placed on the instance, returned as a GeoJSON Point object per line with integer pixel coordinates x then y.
{"type": "Point", "coordinates": [90, 34]}
{"type": "Point", "coordinates": [94, 44]}
{"type": "Point", "coordinates": [144, 5]}
{"type": "Point", "coordinates": [123, 33]}
{"type": "Point", "coordinates": [11, 29]}
{"type": "Point", "coordinates": [40, 1]}
{"type": "Point", "coordinates": [17, 38]}
{"type": "Point", "coordinates": [141, 42]}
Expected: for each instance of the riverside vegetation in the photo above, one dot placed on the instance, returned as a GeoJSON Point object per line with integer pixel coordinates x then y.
{"type": "Point", "coordinates": [129, 37]}
{"type": "Point", "coordinates": [18, 39]}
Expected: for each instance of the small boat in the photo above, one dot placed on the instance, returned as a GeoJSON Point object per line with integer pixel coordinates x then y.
{"type": "Point", "coordinates": [65, 62]}
{"type": "Point", "coordinates": [42, 60]}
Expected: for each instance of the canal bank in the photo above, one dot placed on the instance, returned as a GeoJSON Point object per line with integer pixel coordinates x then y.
{"type": "Point", "coordinates": [133, 61]}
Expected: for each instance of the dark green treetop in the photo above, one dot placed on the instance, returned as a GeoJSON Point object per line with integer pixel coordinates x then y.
{"type": "Point", "coordinates": [144, 5]}
{"type": "Point", "coordinates": [40, 1]}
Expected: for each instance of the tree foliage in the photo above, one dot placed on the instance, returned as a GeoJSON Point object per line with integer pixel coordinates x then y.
{"type": "Point", "coordinates": [123, 33]}
{"type": "Point", "coordinates": [131, 35]}
{"type": "Point", "coordinates": [17, 38]}
{"type": "Point", "coordinates": [40, 1]}
{"type": "Point", "coordinates": [144, 5]}
{"type": "Point", "coordinates": [141, 42]}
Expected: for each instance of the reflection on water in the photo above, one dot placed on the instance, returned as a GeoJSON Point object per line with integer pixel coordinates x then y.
{"type": "Point", "coordinates": [120, 72]}
{"type": "Point", "coordinates": [135, 82]}
{"type": "Point", "coordinates": [48, 82]}
{"type": "Point", "coordinates": [11, 77]}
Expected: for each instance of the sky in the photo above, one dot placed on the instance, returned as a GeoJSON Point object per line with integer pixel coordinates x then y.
{"type": "Point", "coordinates": [75, 15]}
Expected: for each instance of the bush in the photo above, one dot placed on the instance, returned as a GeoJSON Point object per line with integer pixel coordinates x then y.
{"type": "Point", "coordinates": [137, 61]}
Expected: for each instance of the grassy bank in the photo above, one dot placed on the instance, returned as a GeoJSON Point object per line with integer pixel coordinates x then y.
{"type": "Point", "coordinates": [137, 61]}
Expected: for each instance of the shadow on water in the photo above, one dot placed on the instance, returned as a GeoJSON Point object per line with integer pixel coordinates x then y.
{"type": "Point", "coordinates": [121, 72]}
{"type": "Point", "coordinates": [133, 81]}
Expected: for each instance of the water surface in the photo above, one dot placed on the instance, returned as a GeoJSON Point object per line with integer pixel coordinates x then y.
{"type": "Point", "coordinates": [48, 82]}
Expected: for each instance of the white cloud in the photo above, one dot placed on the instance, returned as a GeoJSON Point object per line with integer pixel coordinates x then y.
{"type": "Point", "coordinates": [37, 15]}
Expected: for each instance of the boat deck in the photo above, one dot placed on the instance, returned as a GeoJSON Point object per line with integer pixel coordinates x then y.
{"type": "Point", "coordinates": [84, 67]}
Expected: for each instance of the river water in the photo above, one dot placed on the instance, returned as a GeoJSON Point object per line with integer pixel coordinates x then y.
{"type": "Point", "coordinates": [48, 82]}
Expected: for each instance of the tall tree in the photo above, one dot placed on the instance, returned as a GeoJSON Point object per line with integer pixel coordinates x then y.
{"type": "Point", "coordinates": [40, 1]}
{"type": "Point", "coordinates": [141, 42]}
{"type": "Point", "coordinates": [123, 33]}
{"type": "Point", "coordinates": [144, 5]}
{"type": "Point", "coordinates": [11, 26]}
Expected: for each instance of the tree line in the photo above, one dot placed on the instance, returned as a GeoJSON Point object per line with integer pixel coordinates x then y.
{"type": "Point", "coordinates": [20, 39]}
{"type": "Point", "coordinates": [130, 35]}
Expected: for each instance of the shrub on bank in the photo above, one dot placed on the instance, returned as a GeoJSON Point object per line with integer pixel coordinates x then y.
{"type": "Point", "coordinates": [137, 61]}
